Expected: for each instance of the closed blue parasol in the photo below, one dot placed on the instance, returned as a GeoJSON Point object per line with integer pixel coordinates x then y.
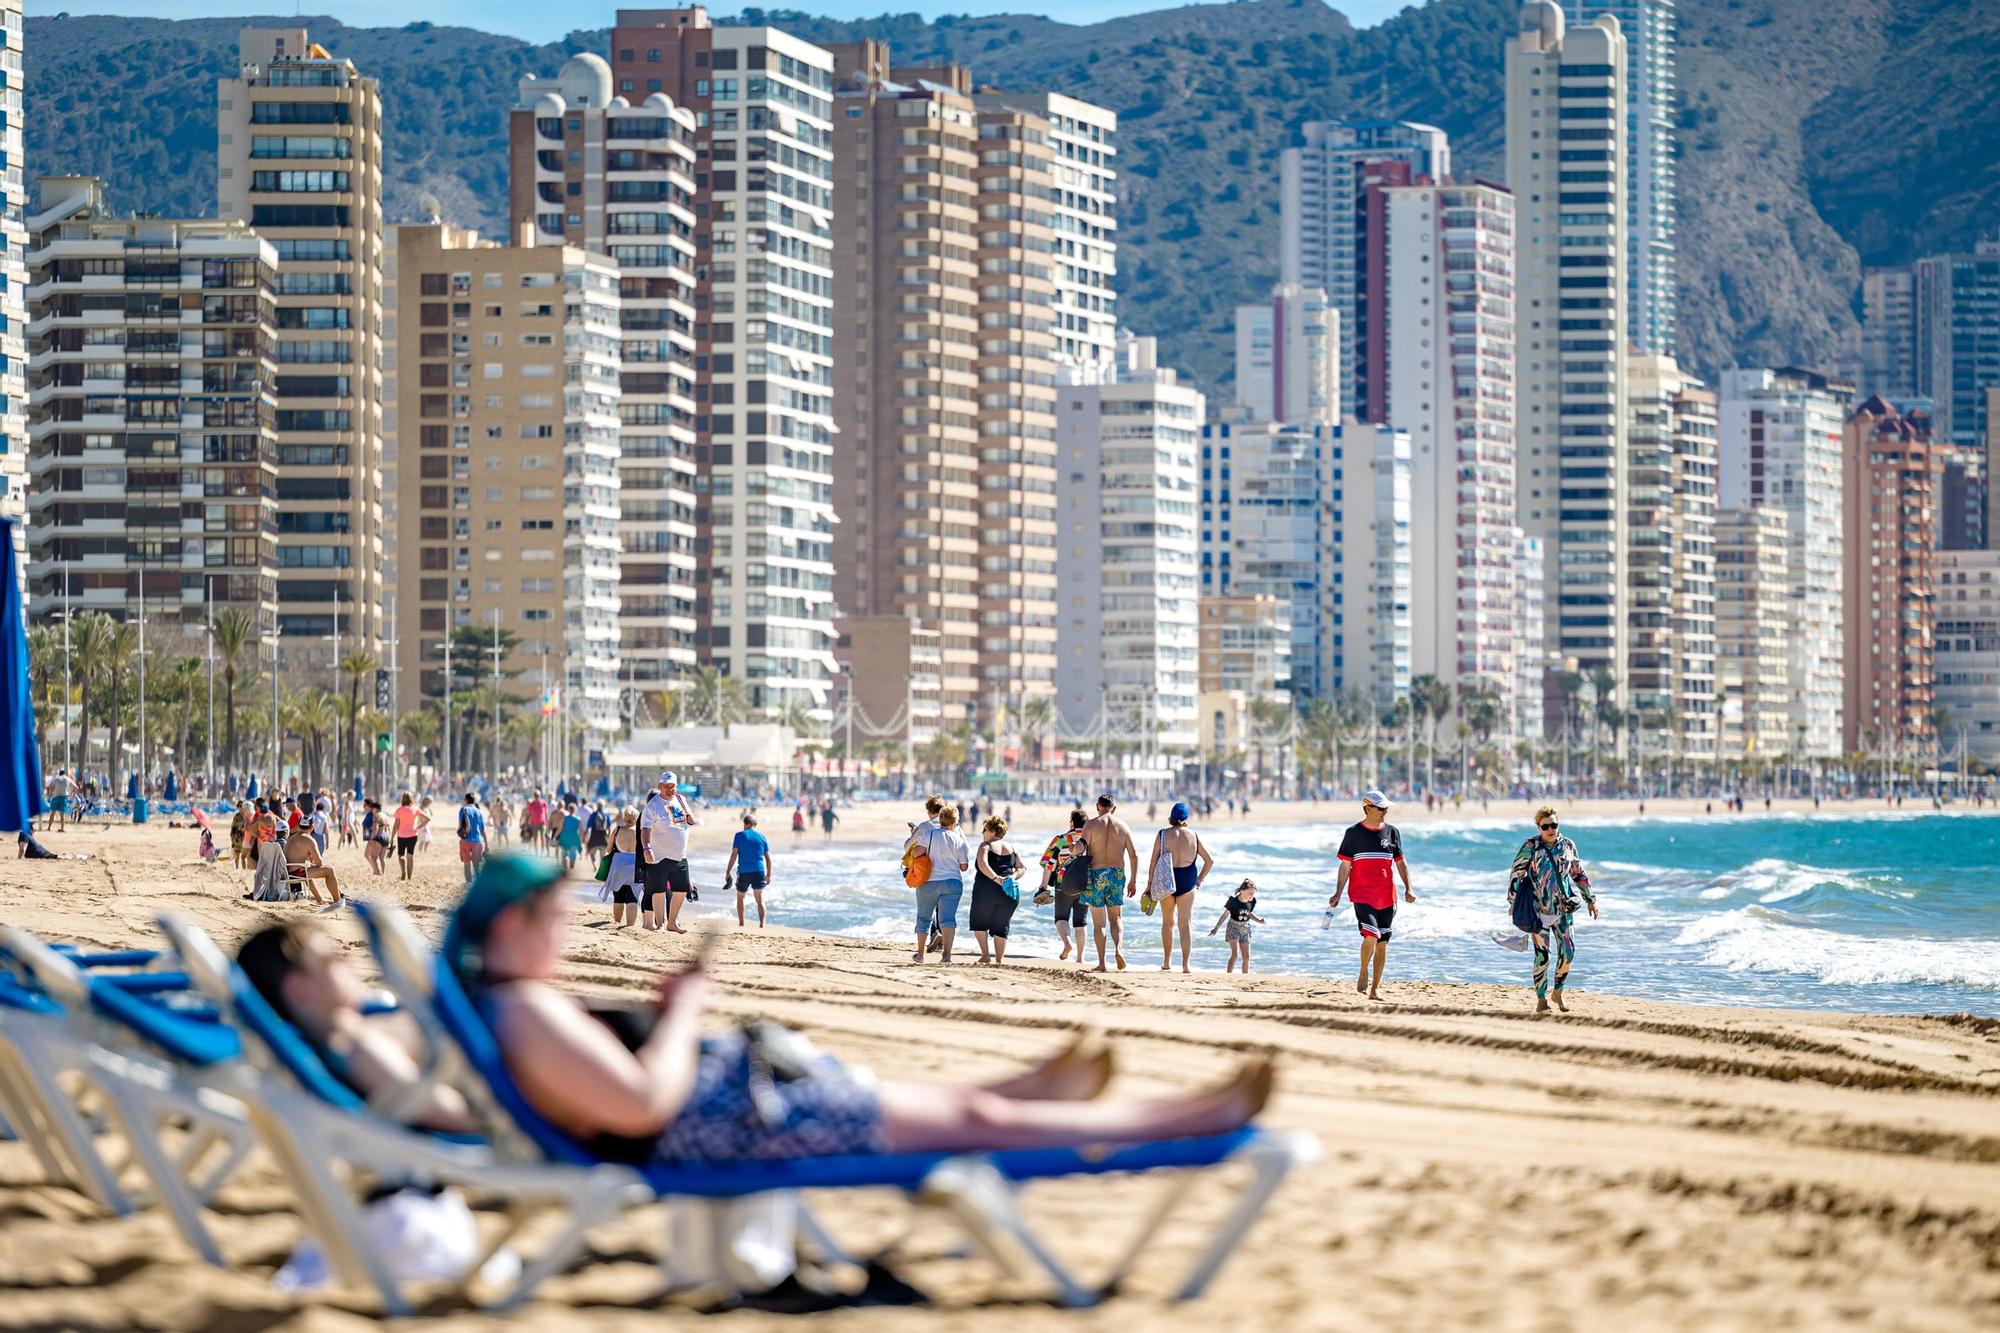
{"type": "Point", "coordinates": [357, 788]}
{"type": "Point", "coordinates": [21, 767]}
{"type": "Point", "coordinates": [251, 792]}
{"type": "Point", "coordinates": [132, 786]}
{"type": "Point", "coordinates": [172, 791]}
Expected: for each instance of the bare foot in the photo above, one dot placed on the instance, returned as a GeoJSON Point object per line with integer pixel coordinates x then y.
{"type": "Point", "coordinates": [678, 930]}
{"type": "Point", "coordinates": [916, 958]}
{"type": "Point", "coordinates": [1065, 953]}
{"type": "Point", "coordinates": [1121, 962]}
{"type": "Point", "coordinates": [1373, 996]}
{"type": "Point", "coordinates": [1186, 968]}
{"type": "Point", "coordinates": [1166, 967]}
{"type": "Point", "coordinates": [1361, 987]}
{"type": "Point", "coordinates": [1099, 968]}
{"type": "Point", "coordinates": [1559, 1002]}
{"type": "Point", "coordinates": [1541, 1006]}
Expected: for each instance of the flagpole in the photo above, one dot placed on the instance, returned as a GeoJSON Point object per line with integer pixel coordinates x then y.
{"type": "Point", "coordinates": [69, 610]}
{"type": "Point", "coordinates": [208, 590]}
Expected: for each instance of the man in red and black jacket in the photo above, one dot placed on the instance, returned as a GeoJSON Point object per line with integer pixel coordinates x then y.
{"type": "Point", "coordinates": [1371, 856]}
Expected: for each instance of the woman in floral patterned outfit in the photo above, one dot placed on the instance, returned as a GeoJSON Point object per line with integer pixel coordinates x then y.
{"type": "Point", "coordinates": [1548, 867]}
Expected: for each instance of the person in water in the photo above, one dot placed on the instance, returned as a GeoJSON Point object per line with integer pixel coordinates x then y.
{"type": "Point", "coordinates": [674, 1094]}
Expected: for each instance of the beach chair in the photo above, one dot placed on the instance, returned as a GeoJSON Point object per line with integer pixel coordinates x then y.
{"type": "Point", "coordinates": [142, 1059]}
{"type": "Point", "coordinates": [977, 1189]}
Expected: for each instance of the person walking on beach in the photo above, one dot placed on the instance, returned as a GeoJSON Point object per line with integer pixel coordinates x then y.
{"type": "Point", "coordinates": [61, 784]}
{"type": "Point", "coordinates": [798, 823]}
{"type": "Point", "coordinates": [1548, 867]}
{"type": "Point", "coordinates": [663, 838]}
{"type": "Point", "coordinates": [407, 823]}
{"type": "Point", "coordinates": [569, 837]}
{"type": "Point", "coordinates": [498, 831]}
{"type": "Point", "coordinates": [534, 819]}
{"type": "Point", "coordinates": [1175, 877]}
{"type": "Point", "coordinates": [1239, 909]}
{"type": "Point", "coordinates": [471, 837]}
{"type": "Point", "coordinates": [621, 881]}
{"type": "Point", "coordinates": [919, 832]}
{"type": "Point", "coordinates": [996, 890]}
{"type": "Point", "coordinates": [1371, 856]}
{"type": "Point", "coordinates": [749, 865]}
{"type": "Point", "coordinates": [1114, 872]}
{"type": "Point", "coordinates": [1071, 914]}
{"type": "Point", "coordinates": [374, 835]}
{"type": "Point", "coordinates": [827, 819]}
{"type": "Point", "coordinates": [938, 896]}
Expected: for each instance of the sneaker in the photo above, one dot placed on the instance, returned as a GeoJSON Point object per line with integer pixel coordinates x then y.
{"type": "Point", "coordinates": [334, 906]}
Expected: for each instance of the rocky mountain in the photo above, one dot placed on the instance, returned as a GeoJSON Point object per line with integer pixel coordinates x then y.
{"type": "Point", "coordinates": [1816, 135]}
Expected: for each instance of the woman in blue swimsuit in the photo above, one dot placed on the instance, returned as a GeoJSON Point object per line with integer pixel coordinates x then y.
{"type": "Point", "coordinates": [761, 1091]}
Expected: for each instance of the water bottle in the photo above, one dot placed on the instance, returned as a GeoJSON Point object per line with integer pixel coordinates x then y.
{"type": "Point", "coordinates": [1326, 922]}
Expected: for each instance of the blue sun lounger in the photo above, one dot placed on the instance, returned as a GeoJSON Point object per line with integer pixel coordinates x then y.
{"type": "Point", "coordinates": [977, 1189]}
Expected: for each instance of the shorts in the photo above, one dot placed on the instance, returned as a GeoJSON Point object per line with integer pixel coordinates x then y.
{"type": "Point", "coordinates": [58, 805]}
{"type": "Point", "coordinates": [406, 846]}
{"type": "Point", "coordinates": [1107, 887]}
{"type": "Point", "coordinates": [623, 878]}
{"type": "Point", "coordinates": [751, 881]}
{"type": "Point", "coordinates": [669, 877]}
{"type": "Point", "coordinates": [1185, 878]}
{"type": "Point", "coordinates": [470, 852]}
{"type": "Point", "coordinates": [1070, 908]}
{"type": "Point", "coordinates": [1375, 920]}
{"type": "Point", "coordinates": [937, 902]}
{"type": "Point", "coordinates": [1237, 932]}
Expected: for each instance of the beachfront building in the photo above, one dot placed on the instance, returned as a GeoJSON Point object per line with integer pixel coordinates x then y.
{"type": "Point", "coordinates": [614, 173]}
{"type": "Point", "coordinates": [1317, 517]}
{"type": "Point", "coordinates": [1889, 510]}
{"type": "Point", "coordinates": [893, 669]}
{"type": "Point", "coordinates": [1670, 565]}
{"type": "Point", "coordinates": [1446, 265]}
{"type": "Point", "coordinates": [1083, 207]}
{"type": "Point", "coordinates": [299, 158]}
{"type": "Point", "coordinates": [762, 99]}
{"type": "Point", "coordinates": [1752, 619]}
{"type": "Point", "coordinates": [153, 455]}
{"type": "Point", "coordinates": [1779, 445]}
{"type": "Point", "coordinates": [1288, 357]}
{"type": "Point", "coordinates": [1129, 548]}
{"type": "Point", "coordinates": [14, 443]}
{"type": "Point", "coordinates": [1320, 242]}
{"type": "Point", "coordinates": [1968, 654]}
{"type": "Point", "coordinates": [1245, 658]}
{"type": "Point", "coordinates": [1531, 657]}
{"type": "Point", "coordinates": [507, 393]}
{"type": "Point", "coordinates": [1888, 343]}
{"type": "Point", "coordinates": [1566, 148]}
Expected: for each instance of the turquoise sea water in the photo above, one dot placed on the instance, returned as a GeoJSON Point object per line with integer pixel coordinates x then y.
{"type": "Point", "coordinates": [1887, 912]}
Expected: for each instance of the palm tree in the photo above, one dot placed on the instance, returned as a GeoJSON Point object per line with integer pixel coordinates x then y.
{"type": "Point", "coordinates": [234, 631]}
{"type": "Point", "coordinates": [1603, 688]}
{"type": "Point", "coordinates": [120, 648]}
{"type": "Point", "coordinates": [1268, 722]}
{"type": "Point", "coordinates": [419, 728]}
{"type": "Point", "coordinates": [719, 700]}
{"type": "Point", "coordinates": [1479, 712]}
{"type": "Point", "coordinates": [1430, 700]}
{"type": "Point", "coordinates": [90, 652]}
{"type": "Point", "coordinates": [1037, 722]}
{"type": "Point", "coordinates": [313, 715]}
{"type": "Point", "coordinates": [353, 666]}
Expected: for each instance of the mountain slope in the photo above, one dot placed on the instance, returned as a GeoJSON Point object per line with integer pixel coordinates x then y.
{"type": "Point", "coordinates": [1804, 124]}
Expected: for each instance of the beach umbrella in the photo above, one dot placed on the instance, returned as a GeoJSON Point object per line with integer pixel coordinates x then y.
{"type": "Point", "coordinates": [357, 787]}
{"type": "Point", "coordinates": [132, 786]}
{"type": "Point", "coordinates": [21, 766]}
{"type": "Point", "coordinates": [603, 784]}
{"type": "Point", "coordinates": [251, 793]}
{"type": "Point", "coordinates": [173, 787]}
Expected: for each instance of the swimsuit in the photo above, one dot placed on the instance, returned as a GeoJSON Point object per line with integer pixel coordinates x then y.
{"type": "Point", "coordinates": [1184, 879]}
{"type": "Point", "coordinates": [1107, 887]}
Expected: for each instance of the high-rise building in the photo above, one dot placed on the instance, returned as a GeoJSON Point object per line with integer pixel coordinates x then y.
{"type": "Point", "coordinates": [507, 395]}
{"type": "Point", "coordinates": [1288, 358]}
{"type": "Point", "coordinates": [1319, 189]}
{"type": "Point", "coordinates": [1531, 657]}
{"type": "Point", "coordinates": [1318, 517]}
{"type": "Point", "coordinates": [1130, 549]}
{"type": "Point", "coordinates": [1082, 140]}
{"type": "Point", "coordinates": [1779, 445]}
{"type": "Point", "coordinates": [1246, 657]}
{"type": "Point", "coordinates": [1447, 265]}
{"type": "Point", "coordinates": [1670, 568]}
{"type": "Point", "coordinates": [154, 459]}
{"type": "Point", "coordinates": [1894, 473]}
{"type": "Point", "coordinates": [299, 158]}
{"type": "Point", "coordinates": [1651, 301]}
{"type": "Point", "coordinates": [1566, 149]}
{"type": "Point", "coordinates": [615, 173]}
{"type": "Point", "coordinates": [13, 281]}
{"type": "Point", "coordinates": [1889, 333]}
{"type": "Point", "coordinates": [1968, 652]}
{"type": "Point", "coordinates": [763, 105]}
{"type": "Point", "coordinates": [1752, 620]}
{"type": "Point", "coordinates": [1956, 306]}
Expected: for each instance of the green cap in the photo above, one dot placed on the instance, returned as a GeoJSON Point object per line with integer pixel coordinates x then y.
{"type": "Point", "coordinates": [502, 881]}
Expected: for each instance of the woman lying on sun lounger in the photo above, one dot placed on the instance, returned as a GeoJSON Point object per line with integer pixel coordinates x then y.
{"type": "Point", "coordinates": [761, 1092]}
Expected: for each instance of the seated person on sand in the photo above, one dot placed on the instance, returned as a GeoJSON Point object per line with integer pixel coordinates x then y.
{"type": "Point", "coordinates": [303, 861]}
{"type": "Point", "coordinates": [660, 1089]}
{"type": "Point", "coordinates": [302, 974]}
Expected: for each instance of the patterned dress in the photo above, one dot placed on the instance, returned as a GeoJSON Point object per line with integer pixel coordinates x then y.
{"type": "Point", "coordinates": [1556, 877]}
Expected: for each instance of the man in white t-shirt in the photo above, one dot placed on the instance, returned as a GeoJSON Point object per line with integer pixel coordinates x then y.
{"type": "Point", "coordinates": [663, 864]}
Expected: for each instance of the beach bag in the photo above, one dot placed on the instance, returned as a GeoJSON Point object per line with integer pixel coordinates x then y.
{"type": "Point", "coordinates": [1524, 916]}
{"type": "Point", "coordinates": [603, 868]}
{"type": "Point", "coordinates": [1163, 872]}
{"type": "Point", "coordinates": [917, 864]}
{"type": "Point", "coordinates": [1076, 874]}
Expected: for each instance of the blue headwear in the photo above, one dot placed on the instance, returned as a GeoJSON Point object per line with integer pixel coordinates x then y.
{"type": "Point", "coordinates": [504, 880]}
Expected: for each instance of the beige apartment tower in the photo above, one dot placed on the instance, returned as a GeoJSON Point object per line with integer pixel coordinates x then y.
{"type": "Point", "coordinates": [507, 397]}
{"type": "Point", "coordinates": [1752, 651]}
{"type": "Point", "coordinates": [299, 158]}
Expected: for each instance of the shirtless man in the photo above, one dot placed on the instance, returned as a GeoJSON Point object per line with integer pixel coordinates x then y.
{"type": "Point", "coordinates": [1176, 896]}
{"type": "Point", "coordinates": [1114, 875]}
{"type": "Point", "coordinates": [303, 860]}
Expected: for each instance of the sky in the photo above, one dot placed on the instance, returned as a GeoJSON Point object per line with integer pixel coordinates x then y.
{"type": "Point", "coordinates": [540, 21]}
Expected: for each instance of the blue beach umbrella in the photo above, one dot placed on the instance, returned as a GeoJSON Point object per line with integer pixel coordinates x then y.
{"type": "Point", "coordinates": [357, 787]}
{"type": "Point", "coordinates": [132, 786]}
{"type": "Point", "coordinates": [173, 788]}
{"type": "Point", "coordinates": [21, 766]}
{"type": "Point", "coordinates": [251, 792]}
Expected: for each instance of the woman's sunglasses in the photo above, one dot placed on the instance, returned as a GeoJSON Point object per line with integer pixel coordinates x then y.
{"type": "Point", "coordinates": [1551, 827]}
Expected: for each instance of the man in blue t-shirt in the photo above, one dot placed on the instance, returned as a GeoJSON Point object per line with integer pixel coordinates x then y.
{"type": "Point", "coordinates": [471, 836]}
{"type": "Point", "coordinates": [750, 863]}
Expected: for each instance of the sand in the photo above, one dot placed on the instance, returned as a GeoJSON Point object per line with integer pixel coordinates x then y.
{"type": "Point", "coordinates": [1665, 1166]}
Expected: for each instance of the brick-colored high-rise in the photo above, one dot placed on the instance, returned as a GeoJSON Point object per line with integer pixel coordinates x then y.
{"type": "Point", "coordinates": [1894, 471]}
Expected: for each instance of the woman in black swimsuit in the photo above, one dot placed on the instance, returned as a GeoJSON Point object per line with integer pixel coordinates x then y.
{"type": "Point", "coordinates": [996, 890]}
{"type": "Point", "coordinates": [1181, 847]}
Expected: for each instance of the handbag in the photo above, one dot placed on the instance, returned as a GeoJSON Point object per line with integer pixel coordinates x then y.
{"type": "Point", "coordinates": [1076, 875]}
{"type": "Point", "coordinates": [917, 865]}
{"type": "Point", "coordinates": [603, 868]}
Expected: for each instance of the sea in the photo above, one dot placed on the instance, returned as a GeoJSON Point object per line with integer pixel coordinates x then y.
{"type": "Point", "coordinates": [1884, 912]}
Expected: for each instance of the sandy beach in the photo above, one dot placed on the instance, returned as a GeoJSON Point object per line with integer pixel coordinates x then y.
{"type": "Point", "coordinates": [1659, 1165]}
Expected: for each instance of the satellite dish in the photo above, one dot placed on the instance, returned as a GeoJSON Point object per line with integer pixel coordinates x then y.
{"type": "Point", "coordinates": [432, 209]}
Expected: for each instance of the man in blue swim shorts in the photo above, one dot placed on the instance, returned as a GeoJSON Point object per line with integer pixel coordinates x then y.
{"type": "Point", "coordinates": [1114, 867]}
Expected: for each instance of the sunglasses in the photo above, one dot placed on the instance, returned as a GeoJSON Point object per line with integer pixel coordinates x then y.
{"type": "Point", "coordinates": [1551, 827]}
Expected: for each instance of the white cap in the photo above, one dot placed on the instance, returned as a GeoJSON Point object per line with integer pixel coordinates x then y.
{"type": "Point", "coordinates": [668, 779]}
{"type": "Point", "coordinates": [1373, 796]}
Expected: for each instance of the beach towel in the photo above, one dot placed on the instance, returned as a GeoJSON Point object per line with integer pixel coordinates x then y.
{"type": "Point", "coordinates": [269, 886]}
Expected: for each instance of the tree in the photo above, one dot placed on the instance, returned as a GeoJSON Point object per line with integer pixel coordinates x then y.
{"type": "Point", "coordinates": [119, 649]}
{"type": "Point", "coordinates": [90, 652]}
{"type": "Point", "coordinates": [313, 715]}
{"type": "Point", "coordinates": [1037, 722]}
{"type": "Point", "coordinates": [716, 699]}
{"type": "Point", "coordinates": [353, 666]}
{"type": "Point", "coordinates": [234, 632]}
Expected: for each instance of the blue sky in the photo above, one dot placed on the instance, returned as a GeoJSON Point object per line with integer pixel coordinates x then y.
{"type": "Point", "coordinates": [541, 21]}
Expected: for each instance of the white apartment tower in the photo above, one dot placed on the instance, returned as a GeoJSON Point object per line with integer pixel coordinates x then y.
{"type": "Point", "coordinates": [13, 279]}
{"type": "Point", "coordinates": [1448, 268]}
{"type": "Point", "coordinates": [1288, 357]}
{"type": "Point", "coordinates": [1566, 134]}
{"type": "Point", "coordinates": [299, 158]}
{"type": "Point", "coordinates": [1779, 442]}
{"type": "Point", "coordinates": [1669, 607]}
{"type": "Point", "coordinates": [1084, 204]}
{"type": "Point", "coordinates": [1649, 26]}
{"type": "Point", "coordinates": [1129, 641]}
{"type": "Point", "coordinates": [1319, 186]}
{"type": "Point", "coordinates": [632, 169]}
